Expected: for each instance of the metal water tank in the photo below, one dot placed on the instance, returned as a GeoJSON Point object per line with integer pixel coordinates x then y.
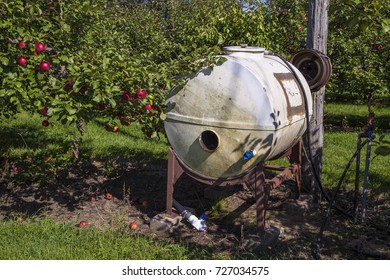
{"type": "Point", "coordinates": [250, 102]}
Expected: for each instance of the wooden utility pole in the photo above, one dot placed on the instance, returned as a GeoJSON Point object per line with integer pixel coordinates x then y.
{"type": "Point", "coordinates": [317, 35]}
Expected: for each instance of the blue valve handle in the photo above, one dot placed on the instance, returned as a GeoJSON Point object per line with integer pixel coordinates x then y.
{"type": "Point", "coordinates": [248, 155]}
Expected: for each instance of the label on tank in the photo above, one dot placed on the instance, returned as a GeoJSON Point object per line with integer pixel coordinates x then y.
{"type": "Point", "coordinates": [292, 92]}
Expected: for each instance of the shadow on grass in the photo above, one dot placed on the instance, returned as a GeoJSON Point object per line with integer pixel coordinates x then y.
{"type": "Point", "coordinates": [43, 174]}
{"type": "Point", "coordinates": [27, 136]}
{"type": "Point", "coordinates": [356, 122]}
{"type": "Point", "coordinates": [134, 146]}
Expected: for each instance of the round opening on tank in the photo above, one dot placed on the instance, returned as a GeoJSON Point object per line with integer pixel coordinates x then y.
{"type": "Point", "coordinates": [209, 140]}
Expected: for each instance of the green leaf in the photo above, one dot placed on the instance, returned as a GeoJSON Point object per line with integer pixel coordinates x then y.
{"type": "Point", "coordinates": [95, 84]}
{"type": "Point", "coordinates": [70, 110]}
{"type": "Point", "coordinates": [40, 76]}
{"type": "Point", "coordinates": [65, 27]}
{"type": "Point", "coordinates": [386, 25]}
{"type": "Point", "coordinates": [4, 60]}
{"type": "Point", "coordinates": [163, 116]}
{"type": "Point", "coordinates": [115, 89]}
{"type": "Point", "coordinates": [112, 102]}
{"type": "Point", "coordinates": [14, 99]}
{"type": "Point", "coordinates": [363, 26]}
{"type": "Point", "coordinates": [11, 75]}
{"type": "Point", "coordinates": [105, 62]}
{"type": "Point", "coordinates": [98, 98]}
{"type": "Point", "coordinates": [38, 103]}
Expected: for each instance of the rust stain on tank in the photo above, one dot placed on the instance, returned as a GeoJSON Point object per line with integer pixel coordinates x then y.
{"type": "Point", "coordinates": [291, 109]}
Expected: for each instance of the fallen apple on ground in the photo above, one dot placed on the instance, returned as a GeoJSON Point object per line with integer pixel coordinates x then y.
{"type": "Point", "coordinates": [133, 226]}
{"type": "Point", "coordinates": [83, 224]}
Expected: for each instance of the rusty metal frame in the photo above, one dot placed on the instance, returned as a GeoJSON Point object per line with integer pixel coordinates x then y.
{"type": "Point", "coordinates": [256, 178]}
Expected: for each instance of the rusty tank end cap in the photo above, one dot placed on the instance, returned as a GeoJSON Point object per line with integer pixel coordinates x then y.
{"type": "Point", "coordinates": [315, 67]}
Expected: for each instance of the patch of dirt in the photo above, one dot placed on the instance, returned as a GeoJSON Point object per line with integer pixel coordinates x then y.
{"type": "Point", "coordinates": [138, 194]}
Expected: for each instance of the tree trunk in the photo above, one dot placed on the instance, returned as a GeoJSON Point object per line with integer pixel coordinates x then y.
{"type": "Point", "coordinates": [317, 34]}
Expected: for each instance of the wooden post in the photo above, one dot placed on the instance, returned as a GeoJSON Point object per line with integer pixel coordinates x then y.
{"type": "Point", "coordinates": [317, 35]}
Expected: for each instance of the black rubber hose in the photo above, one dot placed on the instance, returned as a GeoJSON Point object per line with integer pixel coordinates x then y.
{"type": "Point", "coordinates": [331, 201]}
{"type": "Point", "coordinates": [331, 204]}
{"type": "Point", "coordinates": [178, 206]}
{"type": "Point", "coordinates": [309, 156]}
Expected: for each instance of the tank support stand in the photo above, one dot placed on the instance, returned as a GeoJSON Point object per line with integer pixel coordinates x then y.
{"type": "Point", "coordinates": [255, 178]}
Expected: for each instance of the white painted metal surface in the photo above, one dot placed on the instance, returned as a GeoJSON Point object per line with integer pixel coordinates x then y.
{"type": "Point", "coordinates": [252, 101]}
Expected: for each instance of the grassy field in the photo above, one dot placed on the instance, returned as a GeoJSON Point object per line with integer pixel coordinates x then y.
{"type": "Point", "coordinates": [344, 122]}
{"type": "Point", "coordinates": [24, 135]}
{"type": "Point", "coordinates": [46, 239]}
{"type": "Point", "coordinates": [24, 142]}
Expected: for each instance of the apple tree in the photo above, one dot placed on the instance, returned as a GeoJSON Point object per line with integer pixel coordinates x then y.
{"type": "Point", "coordinates": [76, 60]}
{"type": "Point", "coordinates": [358, 46]}
{"type": "Point", "coordinates": [286, 24]}
{"type": "Point", "coordinates": [71, 59]}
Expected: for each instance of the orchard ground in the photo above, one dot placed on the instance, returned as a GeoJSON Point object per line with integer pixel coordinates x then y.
{"type": "Point", "coordinates": [121, 179]}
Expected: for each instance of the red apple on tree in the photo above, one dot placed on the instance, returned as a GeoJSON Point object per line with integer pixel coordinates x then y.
{"type": "Point", "coordinates": [22, 44]}
{"type": "Point", "coordinates": [377, 46]}
{"type": "Point", "coordinates": [299, 28]}
{"type": "Point", "coordinates": [40, 47]}
{"type": "Point", "coordinates": [148, 107]}
{"type": "Point", "coordinates": [22, 61]}
{"type": "Point", "coordinates": [68, 86]}
{"type": "Point", "coordinates": [126, 96]}
{"type": "Point", "coordinates": [44, 111]}
{"type": "Point", "coordinates": [45, 123]}
{"type": "Point", "coordinates": [44, 66]}
{"type": "Point", "coordinates": [141, 93]}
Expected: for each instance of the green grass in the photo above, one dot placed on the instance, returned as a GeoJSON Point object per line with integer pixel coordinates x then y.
{"type": "Point", "coordinates": [338, 149]}
{"type": "Point", "coordinates": [24, 135]}
{"type": "Point", "coordinates": [350, 116]}
{"type": "Point", "coordinates": [340, 144]}
{"type": "Point", "coordinates": [45, 239]}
